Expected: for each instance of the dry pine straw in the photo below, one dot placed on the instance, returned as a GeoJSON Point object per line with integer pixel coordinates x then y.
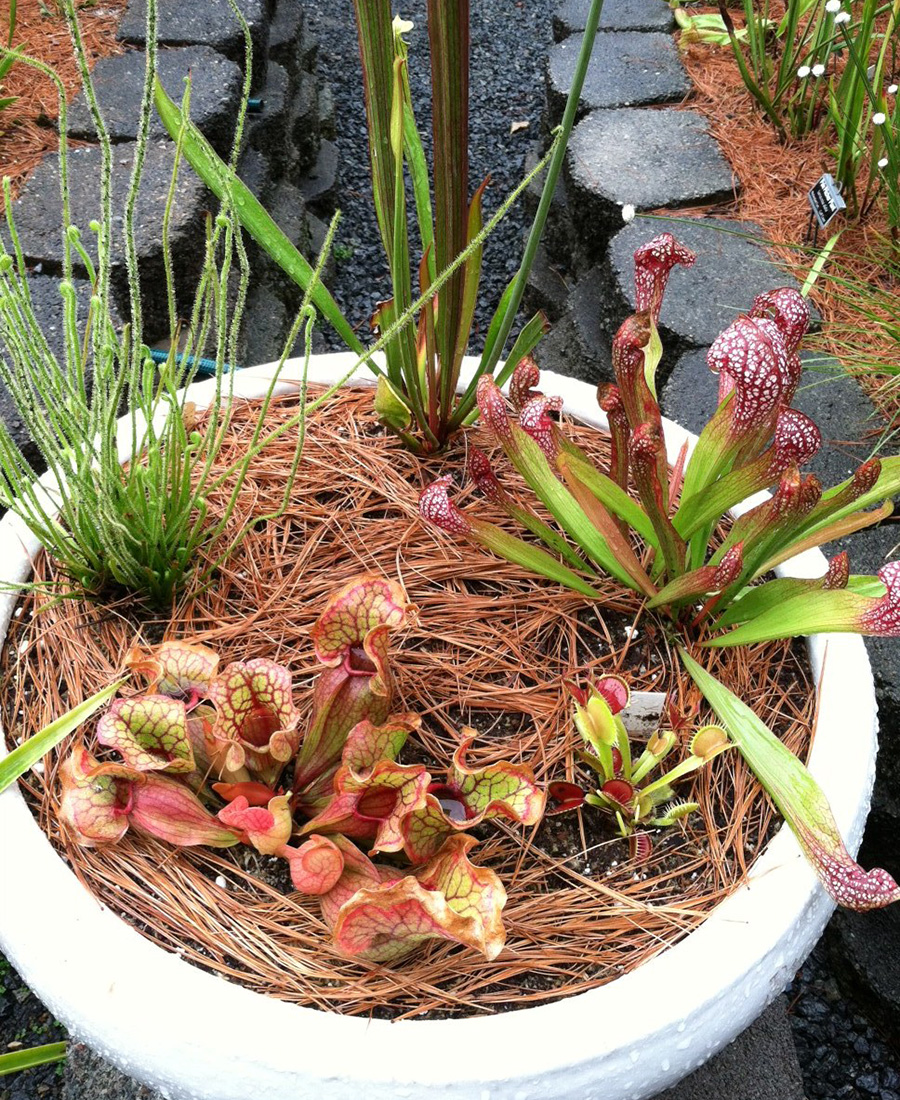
{"type": "Point", "coordinates": [774, 179]}
{"type": "Point", "coordinates": [27, 127]}
{"type": "Point", "coordinates": [489, 645]}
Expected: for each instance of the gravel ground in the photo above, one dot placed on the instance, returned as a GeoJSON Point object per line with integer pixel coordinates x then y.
{"type": "Point", "coordinates": [509, 43]}
{"type": "Point", "coordinates": [841, 1055]}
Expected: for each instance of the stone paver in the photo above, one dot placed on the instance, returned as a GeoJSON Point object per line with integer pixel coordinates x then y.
{"type": "Point", "coordinates": [285, 36]}
{"type": "Point", "coordinates": [617, 15]}
{"type": "Point", "coordinates": [118, 81]}
{"type": "Point", "coordinates": [647, 158]}
{"type": "Point", "coordinates": [628, 69]}
{"type": "Point", "coordinates": [39, 220]}
{"type": "Point", "coordinates": [211, 23]}
{"type": "Point", "coordinates": [319, 185]}
{"type": "Point", "coordinates": [731, 268]}
{"type": "Point", "coordinates": [268, 130]}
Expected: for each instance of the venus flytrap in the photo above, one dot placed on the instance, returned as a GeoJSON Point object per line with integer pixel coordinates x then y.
{"type": "Point", "coordinates": [626, 790]}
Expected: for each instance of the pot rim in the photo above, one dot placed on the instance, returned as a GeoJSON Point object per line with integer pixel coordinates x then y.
{"type": "Point", "coordinates": [626, 1039]}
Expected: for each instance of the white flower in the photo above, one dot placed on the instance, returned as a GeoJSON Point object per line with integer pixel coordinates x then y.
{"type": "Point", "coordinates": [401, 25]}
{"type": "Point", "coordinates": [879, 118]}
{"type": "Point", "coordinates": [803, 72]}
{"type": "Point", "coordinates": [842, 17]}
{"type": "Point", "coordinates": [833, 6]}
{"type": "Point", "coordinates": [221, 880]}
{"type": "Point", "coordinates": [883, 163]}
{"type": "Point", "coordinates": [628, 213]}
{"type": "Point", "coordinates": [818, 70]}
{"type": "Point", "coordinates": [892, 89]}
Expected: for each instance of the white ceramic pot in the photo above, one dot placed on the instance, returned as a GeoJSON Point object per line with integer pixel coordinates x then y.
{"type": "Point", "coordinates": [192, 1035]}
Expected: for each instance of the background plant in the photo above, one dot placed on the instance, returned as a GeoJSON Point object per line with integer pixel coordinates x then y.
{"type": "Point", "coordinates": [8, 61]}
{"type": "Point", "coordinates": [824, 64]}
{"type": "Point", "coordinates": [417, 388]}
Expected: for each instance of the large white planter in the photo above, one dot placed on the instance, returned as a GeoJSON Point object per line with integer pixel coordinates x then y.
{"type": "Point", "coordinates": [194, 1036]}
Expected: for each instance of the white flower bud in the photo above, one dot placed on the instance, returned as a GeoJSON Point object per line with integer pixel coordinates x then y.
{"type": "Point", "coordinates": [879, 118]}
{"type": "Point", "coordinates": [803, 72]}
{"type": "Point", "coordinates": [627, 212]}
{"type": "Point", "coordinates": [842, 17]}
{"type": "Point", "coordinates": [818, 70]}
{"type": "Point", "coordinates": [892, 89]}
{"type": "Point", "coordinates": [883, 163]}
{"type": "Point", "coordinates": [833, 6]}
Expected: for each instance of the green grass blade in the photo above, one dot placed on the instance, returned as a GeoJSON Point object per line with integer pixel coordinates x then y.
{"type": "Point", "coordinates": [17, 1060]}
{"type": "Point", "coordinates": [252, 215]}
{"type": "Point", "coordinates": [29, 752]}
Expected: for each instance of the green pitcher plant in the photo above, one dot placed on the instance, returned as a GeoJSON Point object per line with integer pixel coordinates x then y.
{"type": "Point", "coordinates": [199, 755]}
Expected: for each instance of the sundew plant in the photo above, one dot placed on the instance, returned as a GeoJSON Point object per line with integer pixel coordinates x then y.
{"type": "Point", "coordinates": [127, 506]}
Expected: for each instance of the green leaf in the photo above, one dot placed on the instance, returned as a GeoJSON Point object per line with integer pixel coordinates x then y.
{"type": "Point", "coordinates": [798, 797]}
{"type": "Point", "coordinates": [390, 406]}
{"type": "Point", "coordinates": [17, 1060]}
{"type": "Point", "coordinates": [529, 557]}
{"type": "Point", "coordinates": [252, 215]}
{"type": "Point", "coordinates": [814, 612]}
{"type": "Point", "coordinates": [612, 496]}
{"type": "Point", "coordinates": [29, 752]}
{"type": "Point", "coordinates": [448, 32]}
{"type": "Point", "coordinates": [376, 51]}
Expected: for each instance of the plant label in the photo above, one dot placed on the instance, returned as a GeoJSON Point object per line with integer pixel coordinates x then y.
{"type": "Point", "coordinates": [825, 200]}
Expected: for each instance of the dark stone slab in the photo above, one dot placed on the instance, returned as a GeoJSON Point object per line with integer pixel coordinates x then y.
{"type": "Point", "coordinates": [266, 326]}
{"type": "Point", "coordinates": [558, 237]}
{"type": "Point", "coordinates": [647, 158]}
{"type": "Point", "coordinates": [305, 124]}
{"type": "Point", "coordinates": [327, 117]}
{"type": "Point", "coordinates": [89, 1077]}
{"type": "Point", "coordinates": [690, 393]}
{"type": "Point", "coordinates": [211, 23]}
{"type": "Point", "coordinates": [618, 15]}
{"type": "Point", "coordinates": [864, 950]}
{"type": "Point", "coordinates": [39, 221]}
{"type": "Point", "coordinates": [761, 1064]}
{"type": "Point", "coordinates": [319, 186]}
{"type": "Point", "coordinates": [285, 36]}
{"type": "Point", "coordinates": [577, 345]}
{"type": "Point", "coordinates": [254, 170]}
{"type": "Point", "coordinates": [215, 94]}
{"type": "Point", "coordinates": [268, 131]}
{"type": "Point", "coordinates": [627, 69]}
{"type": "Point", "coordinates": [547, 288]}
{"type": "Point", "coordinates": [732, 267]}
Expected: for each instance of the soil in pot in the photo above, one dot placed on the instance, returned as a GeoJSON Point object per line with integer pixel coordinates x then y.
{"type": "Point", "coordinates": [489, 647]}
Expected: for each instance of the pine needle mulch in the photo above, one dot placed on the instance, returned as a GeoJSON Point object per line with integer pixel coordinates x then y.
{"type": "Point", "coordinates": [28, 126]}
{"type": "Point", "coordinates": [490, 646]}
{"type": "Point", "coordinates": [775, 179]}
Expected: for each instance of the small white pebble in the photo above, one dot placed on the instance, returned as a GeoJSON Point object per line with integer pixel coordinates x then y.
{"type": "Point", "coordinates": [222, 881]}
{"type": "Point", "coordinates": [803, 72]}
{"type": "Point", "coordinates": [892, 89]}
{"type": "Point", "coordinates": [628, 213]}
{"type": "Point", "coordinates": [883, 163]}
{"type": "Point", "coordinates": [879, 118]}
{"type": "Point", "coordinates": [38, 767]}
{"type": "Point", "coordinates": [631, 632]}
{"type": "Point", "coordinates": [818, 70]}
